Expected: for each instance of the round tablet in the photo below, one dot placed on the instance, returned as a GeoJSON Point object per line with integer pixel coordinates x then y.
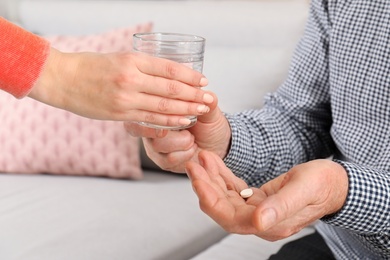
{"type": "Point", "coordinates": [246, 193]}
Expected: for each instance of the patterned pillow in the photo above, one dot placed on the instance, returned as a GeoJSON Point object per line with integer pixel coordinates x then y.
{"type": "Point", "coordinates": [37, 138]}
{"type": "Point", "coordinates": [111, 41]}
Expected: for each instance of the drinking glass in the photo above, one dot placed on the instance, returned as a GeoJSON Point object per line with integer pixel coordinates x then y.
{"type": "Point", "coordinates": [183, 48]}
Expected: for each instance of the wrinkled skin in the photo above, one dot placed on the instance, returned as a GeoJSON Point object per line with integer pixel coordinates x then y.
{"type": "Point", "coordinates": [276, 210]}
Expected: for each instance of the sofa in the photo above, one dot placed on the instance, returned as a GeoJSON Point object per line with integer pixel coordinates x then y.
{"type": "Point", "coordinates": [46, 216]}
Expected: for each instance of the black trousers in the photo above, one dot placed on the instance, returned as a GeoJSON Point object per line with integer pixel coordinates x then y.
{"type": "Point", "coordinates": [310, 247]}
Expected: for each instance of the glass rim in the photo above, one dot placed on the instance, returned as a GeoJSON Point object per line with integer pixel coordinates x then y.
{"type": "Point", "coordinates": [191, 37]}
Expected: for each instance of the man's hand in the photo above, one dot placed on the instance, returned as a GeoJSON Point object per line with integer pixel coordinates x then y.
{"type": "Point", "coordinates": [172, 149]}
{"type": "Point", "coordinates": [278, 209]}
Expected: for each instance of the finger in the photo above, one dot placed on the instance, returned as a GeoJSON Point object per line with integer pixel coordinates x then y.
{"type": "Point", "coordinates": [214, 112]}
{"type": "Point", "coordinates": [225, 208]}
{"type": "Point", "coordinates": [171, 70]}
{"type": "Point", "coordinates": [173, 155]}
{"type": "Point", "coordinates": [174, 141]}
{"type": "Point", "coordinates": [137, 130]}
{"type": "Point", "coordinates": [231, 181]}
{"type": "Point", "coordinates": [173, 89]}
{"type": "Point", "coordinates": [212, 200]}
{"type": "Point", "coordinates": [175, 161]}
{"type": "Point", "coordinates": [156, 104]}
{"type": "Point", "coordinates": [196, 172]}
{"type": "Point", "coordinates": [203, 185]}
{"type": "Point", "coordinates": [146, 118]}
{"type": "Point", "coordinates": [288, 201]}
{"type": "Point", "coordinates": [215, 168]}
{"type": "Point", "coordinates": [210, 163]}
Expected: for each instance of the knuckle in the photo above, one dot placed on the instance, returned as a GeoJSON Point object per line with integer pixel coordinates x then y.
{"type": "Point", "coordinates": [171, 121]}
{"type": "Point", "coordinates": [173, 88]}
{"type": "Point", "coordinates": [171, 70]}
{"type": "Point", "coordinates": [163, 104]}
{"type": "Point", "coordinates": [150, 117]}
{"type": "Point", "coordinates": [120, 80]}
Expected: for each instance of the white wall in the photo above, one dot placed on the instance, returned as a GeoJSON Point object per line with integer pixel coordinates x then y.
{"type": "Point", "coordinates": [3, 8]}
{"type": "Point", "coordinates": [8, 9]}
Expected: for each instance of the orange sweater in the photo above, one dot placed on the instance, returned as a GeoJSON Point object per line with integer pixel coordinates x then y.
{"type": "Point", "coordinates": [22, 57]}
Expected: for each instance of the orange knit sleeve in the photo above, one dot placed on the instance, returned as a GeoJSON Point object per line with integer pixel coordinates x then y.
{"type": "Point", "coordinates": [22, 57]}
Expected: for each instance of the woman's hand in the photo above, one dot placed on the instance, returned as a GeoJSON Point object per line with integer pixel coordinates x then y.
{"type": "Point", "coordinates": [279, 208]}
{"type": "Point", "coordinates": [122, 86]}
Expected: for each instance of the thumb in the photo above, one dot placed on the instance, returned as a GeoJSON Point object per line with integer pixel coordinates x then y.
{"type": "Point", "coordinates": [288, 200]}
{"type": "Point", "coordinates": [214, 112]}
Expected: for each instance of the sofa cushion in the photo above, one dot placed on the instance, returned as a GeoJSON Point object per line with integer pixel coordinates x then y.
{"type": "Point", "coordinates": [47, 217]}
{"type": "Point", "coordinates": [36, 138]}
{"type": "Point", "coordinates": [114, 40]}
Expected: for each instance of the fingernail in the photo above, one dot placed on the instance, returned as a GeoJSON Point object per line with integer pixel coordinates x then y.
{"type": "Point", "coordinates": [203, 82]}
{"type": "Point", "coordinates": [203, 109]}
{"type": "Point", "coordinates": [184, 121]}
{"type": "Point", "coordinates": [207, 98]}
{"type": "Point", "coordinates": [268, 218]}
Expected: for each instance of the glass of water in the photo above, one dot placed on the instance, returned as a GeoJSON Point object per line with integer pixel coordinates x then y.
{"type": "Point", "coordinates": [183, 48]}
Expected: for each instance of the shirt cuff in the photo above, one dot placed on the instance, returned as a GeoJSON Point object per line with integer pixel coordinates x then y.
{"type": "Point", "coordinates": [367, 206]}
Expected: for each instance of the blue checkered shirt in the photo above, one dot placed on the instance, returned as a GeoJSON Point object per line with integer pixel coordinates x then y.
{"type": "Point", "coordinates": [334, 102]}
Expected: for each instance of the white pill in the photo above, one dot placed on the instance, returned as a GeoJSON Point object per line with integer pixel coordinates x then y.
{"type": "Point", "coordinates": [246, 193]}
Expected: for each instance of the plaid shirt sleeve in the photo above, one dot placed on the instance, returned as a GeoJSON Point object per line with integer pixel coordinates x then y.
{"type": "Point", "coordinates": [335, 101]}
{"type": "Point", "coordinates": [294, 124]}
{"type": "Point", "coordinates": [366, 211]}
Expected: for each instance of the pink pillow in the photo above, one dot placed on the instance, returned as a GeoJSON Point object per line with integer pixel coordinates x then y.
{"type": "Point", "coordinates": [111, 41]}
{"type": "Point", "coordinates": [37, 138]}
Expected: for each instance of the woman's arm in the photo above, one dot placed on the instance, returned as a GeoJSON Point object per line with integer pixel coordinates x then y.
{"type": "Point", "coordinates": [114, 86]}
{"type": "Point", "coordinates": [22, 57]}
